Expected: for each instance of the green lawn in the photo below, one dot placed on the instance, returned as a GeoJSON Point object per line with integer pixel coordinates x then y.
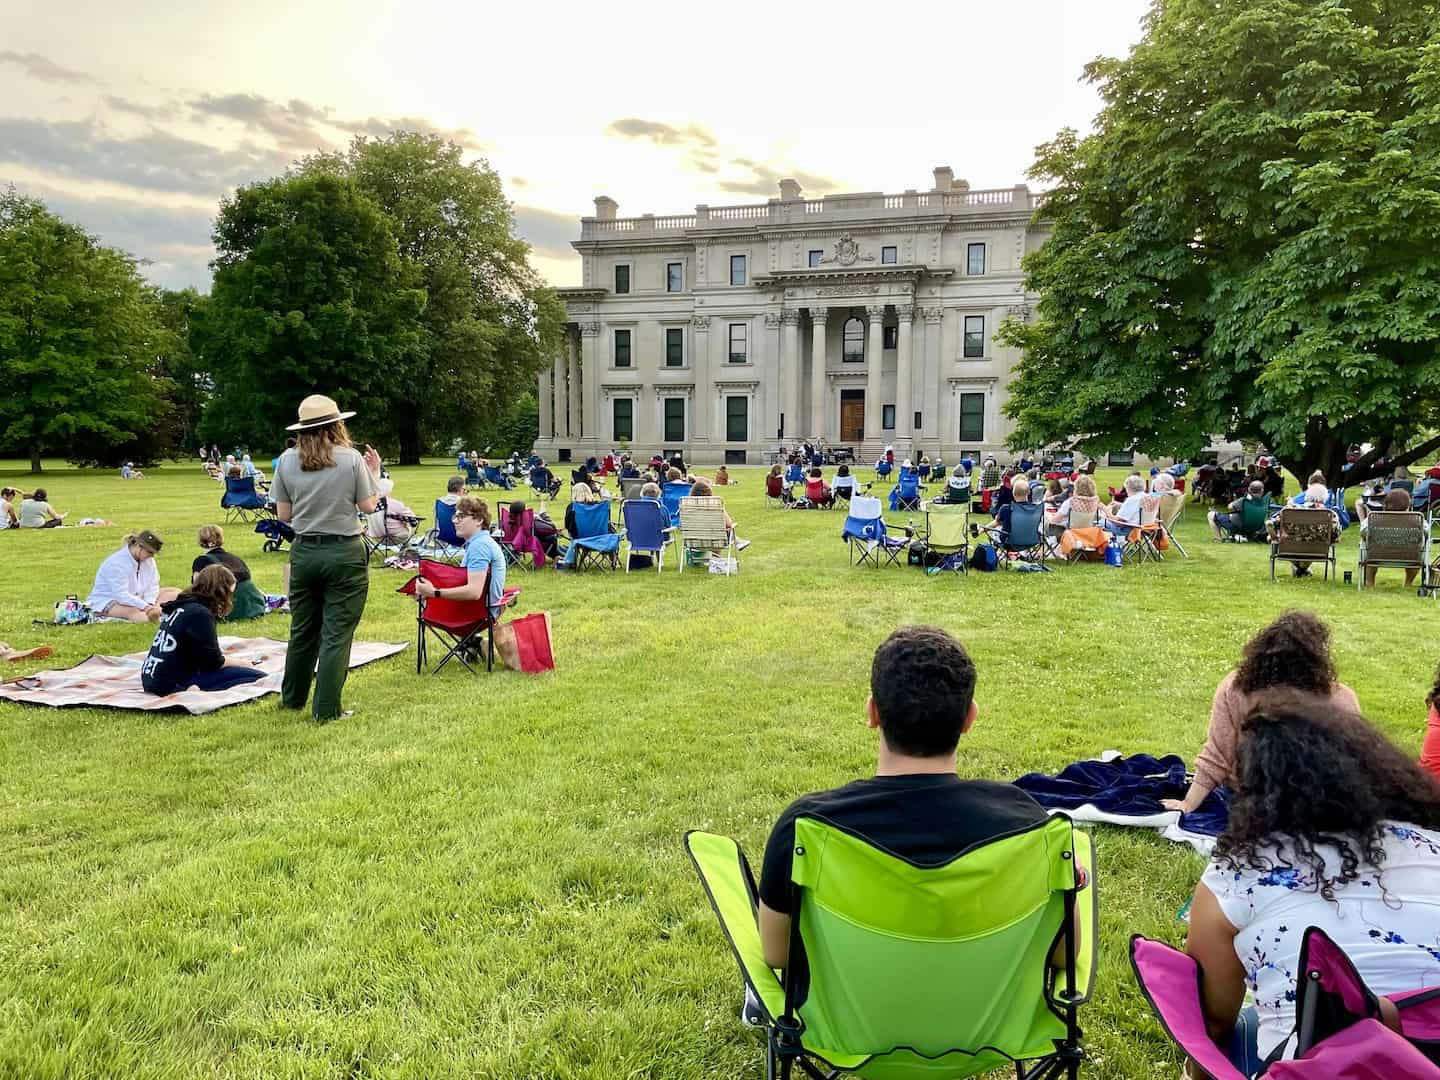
{"type": "Point", "coordinates": [482, 876]}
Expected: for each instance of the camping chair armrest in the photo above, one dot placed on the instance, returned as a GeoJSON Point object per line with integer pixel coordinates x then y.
{"type": "Point", "coordinates": [726, 878]}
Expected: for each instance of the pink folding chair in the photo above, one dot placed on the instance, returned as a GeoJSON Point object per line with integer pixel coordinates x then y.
{"type": "Point", "coordinates": [1339, 1035]}
{"type": "Point", "coordinates": [518, 539]}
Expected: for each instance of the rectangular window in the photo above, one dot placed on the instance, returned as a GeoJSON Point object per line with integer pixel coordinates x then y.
{"type": "Point", "coordinates": [623, 419]}
{"type": "Point", "coordinates": [972, 417]}
{"type": "Point", "coordinates": [890, 337]}
{"type": "Point", "coordinates": [888, 255]}
{"type": "Point", "coordinates": [675, 420]}
{"type": "Point", "coordinates": [622, 348]}
{"type": "Point", "coordinates": [674, 277]}
{"type": "Point", "coordinates": [1123, 458]}
{"type": "Point", "coordinates": [918, 424]}
{"type": "Point", "coordinates": [622, 279]}
{"type": "Point", "coordinates": [674, 346]}
{"type": "Point", "coordinates": [737, 269]}
{"type": "Point", "coordinates": [739, 342]}
{"type": "Point", "coordinates": [887, 417]}
{"type": "Point", "coordinates": [816, 256]}
{"type": "Point", "coordinates": [737, 419]}
{"type": "Point", "coordinates": [975, 259]}
{"type": "Point", "coordinates": [974, 337]}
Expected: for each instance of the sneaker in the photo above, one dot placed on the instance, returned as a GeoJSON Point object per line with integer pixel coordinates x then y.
{"type": "Point", "coordinates": [331, 719]}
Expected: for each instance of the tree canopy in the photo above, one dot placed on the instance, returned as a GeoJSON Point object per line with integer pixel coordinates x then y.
{"type": "Point", "coordinates": [1248, 244]}
{"type": "Point", "coordinates": [489, 324]}
{"type": "Point", "coordinates": [81, 335]}
{"type": "Point", "coordinates": [310, 295]}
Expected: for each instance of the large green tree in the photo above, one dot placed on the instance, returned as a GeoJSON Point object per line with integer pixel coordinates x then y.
{"type": "Point", "coordinates": [310, 295]}
{"type": "Point", "coordinates": [1249, 242]}
{"type": "Point", "coordinates": [489, 323]}
{"type": "Point", "coordinates": [80, 333]}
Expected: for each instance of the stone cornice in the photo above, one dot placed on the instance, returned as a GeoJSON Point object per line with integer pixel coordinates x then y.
{"type": "Point", "coordinates": [810, 275]}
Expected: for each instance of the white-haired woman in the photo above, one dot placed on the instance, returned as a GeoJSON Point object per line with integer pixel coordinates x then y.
{"type": "Point", "coordinates": [1121, 521]}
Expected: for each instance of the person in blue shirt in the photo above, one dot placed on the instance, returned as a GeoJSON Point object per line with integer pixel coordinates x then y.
{"type": "Point", "coordinates": [482, 556]}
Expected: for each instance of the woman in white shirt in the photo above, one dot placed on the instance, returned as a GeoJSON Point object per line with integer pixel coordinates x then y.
{"type": "Point", "coordinates": [127, 585]}
{"type": "Point", "coordinates": [1331, 826]}
{"type": "Point", "coordinates": [9, 515]}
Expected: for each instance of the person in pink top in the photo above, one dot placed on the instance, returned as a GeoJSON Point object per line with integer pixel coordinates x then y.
{"type": "Point", "coordinates": [1430, 750]}
{"type": "Point", "coordinates": [1292, 652]}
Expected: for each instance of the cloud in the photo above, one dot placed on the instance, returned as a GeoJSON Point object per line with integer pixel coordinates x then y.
{"type": "Point", "coordinates": [43, 68]}
{"type": "Point", "coordinates": [379, 127]}
{"type": "Point", "coordinates": [174, 241]}
{"type": "Point", "coordinates": [632, 127]}
{"type": "Point", "coordinates": [547, 232]}
{"type": "Point", "coordinates": [292, 125]}
{"type": "Point", "coordinates": [135, 108]}
{"type": "Point", "coordinates": [155, 161]}
{"type": "Point", "coordinates": [764, 180]}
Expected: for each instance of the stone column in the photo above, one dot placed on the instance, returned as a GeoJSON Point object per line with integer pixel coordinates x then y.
{"type": "Point", "coordinates": [695, 426]}
{"type": "Point", "coordinates": [558, 398]}
{"type": "Point", "coordinates": [547, 426]}
{"type": "Point", "coordinates": [790, 372]}
{"type": "Point", "coordinates": [765, 420]}
{"type": "Point", "coordinates": [874, 354]}
{"type": "Point", "coordinates": [818, 396]}
{"type": "Point", "coordinates": [589, 383]}
{"type": "Point", "coordinates": [932, 384]}
{"type": "Point", "coordinates": [572, 392]}
{"type": "Point", "coordinates": [904, 414]}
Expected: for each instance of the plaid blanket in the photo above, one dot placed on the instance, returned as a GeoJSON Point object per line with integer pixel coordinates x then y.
{"type": "Point", "coordinates": [114, 681]}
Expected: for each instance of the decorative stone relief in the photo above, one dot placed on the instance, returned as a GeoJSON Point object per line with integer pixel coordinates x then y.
{"type": "Point", "coordinates": [819, 314]}
{"type": "Point", "coordinates": [848, 290]}
{"type": "Point", "coordinates": [847, 252]}
{"type": "Point", "coordinates": [875, 311]}
{"type": "Point", "coordinates": [701, 322]}
{"type": "Point", "coordinates": [932, 314]}
{"type": "Point", "coordinates": [904, 312]}
{"type": "Point", "coordinates": [772, 320]}
{"type": "Point", "coordinates": [1018, 311]}
{"type": "Point", "coordinates": [589, 329]}
{"type": "Point", "coordinates": [664, 390]}
{"type": "Point", "coordinates": [790, 317]}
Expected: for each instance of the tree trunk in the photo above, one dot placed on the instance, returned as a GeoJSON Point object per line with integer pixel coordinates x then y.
{"type": "Point", "coordinates": [35, 459]}
{"type": "Point", "coordinates": [409, 439]}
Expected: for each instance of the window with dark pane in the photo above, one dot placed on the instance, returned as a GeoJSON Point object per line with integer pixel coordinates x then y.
{"type": "Point", "coordinates": [888, 255]}
{"type": "Point", "coordinates": [674, 419]}
{"type": "Point", "coordinates": [891, 337]}
{"type": "Point", "coordinates": [739, 342]}
{"type": "Point", "coordinates": [622, 348]}
{"type": "Point", "coordinates": [674, 278]}
{"type": "Point", "coordinates": [737, 419]}
{"type": "Point", "coordinates": [622, 279]}
{"type": "Point", "coordinates": [674, 346]}
{"type": "Point", "coordinates": [975, 337]}
{"type": "Point", "coordinates": [975, 259]}
{"type": "Point", "coordinates": [624, 419]}
{"type": "Point", "coordinates": [815, 256]}
{"type": "Point", "coordinates": [972, 417]}
{"type": "Point", "coordinates": [737, 269]}
{"type": "Point", "coordinates": [853, 347]}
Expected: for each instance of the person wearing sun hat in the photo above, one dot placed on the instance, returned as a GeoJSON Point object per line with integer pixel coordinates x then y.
{"type": "Point", "coordinates": [320, 487]}
{"type": "Point", "coordinates": [127, 585]}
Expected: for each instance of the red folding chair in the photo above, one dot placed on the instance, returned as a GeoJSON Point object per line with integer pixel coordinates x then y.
{"type": "Point", "coordinates": [458, 623]}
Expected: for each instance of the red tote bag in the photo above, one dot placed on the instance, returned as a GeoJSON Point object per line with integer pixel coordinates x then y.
{"type": "Point", "coordinates": [523, 643]}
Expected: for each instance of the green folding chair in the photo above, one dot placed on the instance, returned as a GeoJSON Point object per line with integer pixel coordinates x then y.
{"type": "Point", "coordinates": [947, 535]}
{"type": "Point", "coordinates": [917, 973]}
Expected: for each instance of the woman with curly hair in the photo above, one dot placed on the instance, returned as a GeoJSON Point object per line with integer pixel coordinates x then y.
{"type": "Point", "coordinates": [1331, 826]}
{"type": "Point", "coordinates": [1293, 651]}
{"type": "Point", "coordinates": [1430, 750]}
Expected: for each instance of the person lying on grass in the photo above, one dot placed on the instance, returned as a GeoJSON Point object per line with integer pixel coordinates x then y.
{"type": "Point", "coordinates": [1332, 826]}
{"type": "Point", "coordinates": [186, 651]}
{"type": "Point", "coordinates": [127, 585]}
{"type": "Point", "coordinates": [922, 699]}
{"type": "Point", "coordinates": [482, 556]}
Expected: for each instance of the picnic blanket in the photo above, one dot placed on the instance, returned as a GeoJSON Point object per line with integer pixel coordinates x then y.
{"type": "Point", "coordinates": [1116, 790]}
{"type": "Point", "coordinates": [114, 681]}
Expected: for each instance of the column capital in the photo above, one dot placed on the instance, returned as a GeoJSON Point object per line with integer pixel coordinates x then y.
{"type": "Point", "coordinates": [701, 322]}
{"type": "Point", "coordinates": [790, 317]}
{"type": "Point", "coordinates": [589, 329]}
{"type": "Point", "coordinates": [772, 320]}
{"type": "Point", "coordinates": [905, 312]}
{"type": "Point", "coordinates": [933, 314]}
{"type": "Point", "coordinates": [875, 311]}
{"type": "Point", "coordinates": [819, 314]}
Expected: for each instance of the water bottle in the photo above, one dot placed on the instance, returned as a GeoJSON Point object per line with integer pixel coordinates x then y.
{"type": "Point", "coordinates": [1114, 553]}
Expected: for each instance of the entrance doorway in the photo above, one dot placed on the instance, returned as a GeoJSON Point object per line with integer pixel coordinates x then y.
{"type": "Point", "coordinates": [852, 416]}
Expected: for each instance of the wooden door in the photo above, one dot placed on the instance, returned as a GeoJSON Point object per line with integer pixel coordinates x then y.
{"type": "Point", "coordinates": [852, 416]}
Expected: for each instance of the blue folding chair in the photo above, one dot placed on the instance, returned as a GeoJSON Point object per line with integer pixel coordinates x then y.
{"type": "Point", "coordinates": [442, 543]}
{"type": "Point", "coordinates": [647, 530]}
{"type": "Point", "coordinates": [864, 531]}
{"type": "Point", "coordinates": [472, 475]}
{"type": "Point", "coordinates": [883, 468]}
{"type": "Point", "coordinates": [670, 495]}
{"type": "Point", "coordinates": [543, 482]}
{"type": "Point", "coordinates": [494, 476]}
{"type": "Point", "coordinates": [1026, 538]}
{"type": "Point", "coordinates": [241, 502]}
{"type": "Point", "coordinates": [905, 495]}
{"type": "Point", "coordinates": [595, 545]}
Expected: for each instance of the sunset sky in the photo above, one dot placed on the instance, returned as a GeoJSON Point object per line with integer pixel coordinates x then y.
{"type": "Point", "coordinates": [135, 119]}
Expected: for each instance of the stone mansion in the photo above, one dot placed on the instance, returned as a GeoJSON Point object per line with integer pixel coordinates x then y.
{"type": "Point", "coordinates": [861, 320]}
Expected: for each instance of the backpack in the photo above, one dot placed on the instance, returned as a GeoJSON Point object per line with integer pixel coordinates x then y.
{"type": "Point", "coordinates": [70, 612]}
{"type": "Point", "coordinates": [984, 558]}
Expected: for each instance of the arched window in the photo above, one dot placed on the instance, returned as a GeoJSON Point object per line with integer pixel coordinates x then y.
{"type": "Point", "coordinates": [854, 341]}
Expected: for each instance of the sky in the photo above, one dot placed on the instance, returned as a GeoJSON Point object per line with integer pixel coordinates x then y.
{"type": "Point", "coordinates": [135, 120]}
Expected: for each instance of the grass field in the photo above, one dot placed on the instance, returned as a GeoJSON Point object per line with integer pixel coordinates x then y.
{"type": "Point", "coordinates": [483, 876]}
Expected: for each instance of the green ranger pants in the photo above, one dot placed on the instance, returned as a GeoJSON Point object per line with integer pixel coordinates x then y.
{"type": "Point", "coordinates": [329, 580]}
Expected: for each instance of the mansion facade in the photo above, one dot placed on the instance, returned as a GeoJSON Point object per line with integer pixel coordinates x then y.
{"type": "Point", "coordinates": [861, 320]}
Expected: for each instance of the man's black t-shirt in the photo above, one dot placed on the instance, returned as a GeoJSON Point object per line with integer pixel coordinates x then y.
{"type": "Point", "coordinates": [926, 818]}
{"type": "Point", "coordinates": [184, 644]}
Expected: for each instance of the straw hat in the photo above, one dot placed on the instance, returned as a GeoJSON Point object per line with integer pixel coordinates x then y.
{"type": "Point", "coordinates": [317, 410]}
